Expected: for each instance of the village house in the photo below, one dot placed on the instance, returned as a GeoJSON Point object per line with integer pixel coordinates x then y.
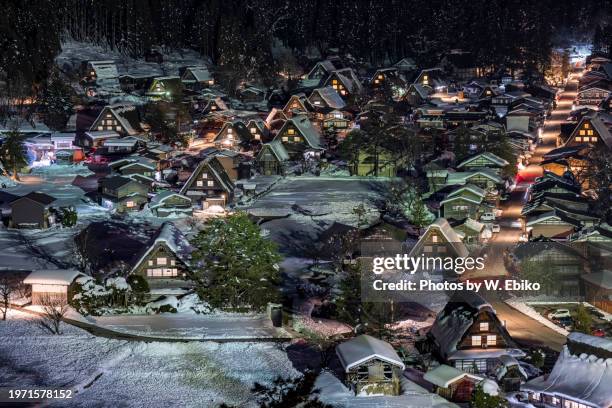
{"type": "Point", "coordinates": [164, 262]}
{"type": "Point", "coordinates": [580, 378]}
{"type": "Point", "coordinates": [432, 78]}
{"type": "Point", "coordinates": [462, 201]}
{"type": "Point", "coordinates": [417, 94]}
{"type": "Point", "coordinates": [101, 73]}
{"type": "Point", "coordinates": [439, 239]}
{"type": "Point", "coordinates": [510, 374]}
{"type": "Point", "coordinates": [594, 129]}
{"type": "Point", "coordinates": [471, 232]}
{"type": "Point", "coordinates": [452, 384]}
{"type": "Point", "coordinates": [168, 203]}
{"type": "Point", "coordinates": [133, 165]}
{"type": "Point", "coordinates": [258, 130]}
{"type": "Point", "coordinates": [562, 259]}
{"type": "Point", "coordinates": [213, 105]}
{"type": "Point", "coordinates": [300, 138]}
{"type": "Point", "coordinates": [321, 70]}
{"type": "Point", "coordinates": [95, 139]}
{"type": "Point", "coordinates": [553, 224]}
{"type": "Point", "coordinates": [209, 185]}
{"type": "Point", "coordinates": [122, 194]}
{"type": "Point", "coordinates": [124, 145]}
{"type": "Point", "coordinates": [272, 158]}
{"type": "Point", "coordinates": [197, 77]}
{"type": "Point", "coordinates": [338, 121]}
{"type": "Point", "coordinates": [251, 94]}
{"type": "Point", "coordinates": [345, 82]}
{"type": "Point", "coordinates": [297, 104]}
{"type": "Point", "coordinates": [485, 160]}
{"type": "Point", "coordinates": [383, 164]}
{"type": "Point", "coordinates": [325, 100]}
{"type": "Point", "coordinates": [468, 335]}
{"type": "Point", "coordinates": [234, 135]}
{"type": "Point", "coordinates": [405, 65]}
{"type": "Point", "coordinates": [388, 80]}
{"type": "Point", "coordinates": [371, 366]}
{"type": "Point", "coordinates": [33, 210]}
{"type": "Point", "coordinates": [594, 93]}
{"type": "Point", "coordinates": [121, 118]}
{"type": "Point", "coordinates": [167, 87]}
{"type": "Point", "coordinates": [50, 148]}
{"type": "Point", "coordinates": [51, 286]}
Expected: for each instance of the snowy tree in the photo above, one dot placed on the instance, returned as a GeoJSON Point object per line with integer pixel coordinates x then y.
{"type": "Point", "coordinates": [234, 266]}
{"type": "Point", "coordinates": [56, 101]}
{"type": "Point", "coordinates": [13, 153]}
{"type": "Point", "coordinates": [53, 309]}
{"type": "Point", "coordinates": [289, 392]}
{"type": "Point", "coordinates": [8, 287]}
{"type": "Point", "coordinates": [482, 399]}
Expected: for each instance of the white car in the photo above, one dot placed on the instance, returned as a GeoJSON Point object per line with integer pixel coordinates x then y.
{"type": "Point", "coordinates": [495, 228]}
{"type": "Point", "coordinates": [488, 216]}
{"type": "Point", "coordinates": [559, 313]}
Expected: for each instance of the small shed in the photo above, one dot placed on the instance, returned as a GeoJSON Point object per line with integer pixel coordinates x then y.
{"type": "Point", "coordinates": [509, 374]}
{"type": "Point", "coordinates": [371, 366]}
{"type": "Point", "coordinates": [451, 383]}
{"type": "Point", "coordinates": [51, 282]}
{"type": "Point", "coordinates": [32, 210]}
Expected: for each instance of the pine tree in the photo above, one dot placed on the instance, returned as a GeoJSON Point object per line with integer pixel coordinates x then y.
{"type": "Point", "coordinates": [13, 153]}
{"type": "Point", "coordinates": [583, 322]}
{"type": "Point", "coordinates": [234, 266]}
{"type": "Point", "coordinates": [483, 400]}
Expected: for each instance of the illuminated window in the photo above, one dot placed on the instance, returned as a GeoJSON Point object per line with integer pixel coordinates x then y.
{"type": "Point", "coordinates": [434, 238]}
{"type": "Point", "coordinates": [476, 341]}
{"type": "Point", "coordinates": [491, 340]}
{"type": "Point", "coordinates": [381, 77]}
{"type": "Point", "coordinates": [199, 183]}
{"type": "Point", "coordinates": [484, 326]}
{"type": "Point", "coordinates": [253, 130]}
{"type": "Point", "coordinates": [376, 81]}
{"type": "Point", "coordinates": [590, 132]}
{"type": "Point", "coordinates": [427, 248]}
{"type": "Point", "coordinates": [150, 262]}
{"type": "Point", "coordinates": [229, 131]}
{"type": "Point", "coordinates": [586, 126]}
{"type": "Point", "coordinates": [210, 183]}
{"type": "Point", "coordinates": [594, 139]}
{"type": "Point", "coordinates": [130, 204]}
{"type": "Point", "coordinates": [257, 137]}
{"type": "Point", "coordinates": [578, 139]}
{"type": "Point", "coordinates": [285, 139]}
{"type": "Point", "coordinates": [118, 128]}
{"type": "Point", "coordinates": [290, 131]}
{"type": "Point", "coordinates": [334, 82]}
{"type": "Point", "coordinates": [297, 139]}
{"type": "Point", "coordinates": [582, 132]}
{"type": "Point", "coordinates": [162, 261]}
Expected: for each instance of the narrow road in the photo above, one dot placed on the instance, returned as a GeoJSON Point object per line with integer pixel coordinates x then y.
{"type": "Point", "coordinates": [524, 329]}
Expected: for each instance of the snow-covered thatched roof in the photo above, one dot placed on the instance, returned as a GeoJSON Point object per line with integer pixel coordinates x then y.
{"type": "Point", "coordinates": [584, 378]}
{"type": "Point", "coordinates": [363, 348]}
{"type": "Point", "coordinates": [444, 375]}
{"type": "Point", "coordinates": [171, 237]}
{"type": "Point", "coordinates": [52, 277]}
{"type": "Point", "coordinates": [331, 97]}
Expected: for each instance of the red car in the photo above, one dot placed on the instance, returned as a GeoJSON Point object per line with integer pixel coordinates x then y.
{"type": "Point", "coordinates": [598, 333]}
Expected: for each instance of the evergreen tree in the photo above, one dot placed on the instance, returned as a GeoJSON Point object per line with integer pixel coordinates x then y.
{"type": "Point", "coordinates": [13, 153]}
{"type": "Point", "coordinates": [234, 266]}
{"type": "Point", "coordinates": [583, 321]}
{"type": "Point", "coordinates": [483, 400]}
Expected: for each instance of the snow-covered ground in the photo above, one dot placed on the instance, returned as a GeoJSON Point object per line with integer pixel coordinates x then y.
{"type": "Point", "coordinates": [112, 373]}
{"type": "Point", "coordinates": [334, 392]}
{"type": "Point", "coordinates": [189, 326]}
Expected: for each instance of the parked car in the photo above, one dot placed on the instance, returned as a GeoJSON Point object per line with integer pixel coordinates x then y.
{"type": "Point", "coordinates": [565, 322]}
{"type": "Point", "coordinates": [488, 216]}
{"type": "Point", "coordinates": [599, 333]}
{"type": "Point", "coordinates": [596, 312]}
{"type": "Point", "coordinates": [495, 228]}
{"type": "Point", "coordinates": [559, 313]}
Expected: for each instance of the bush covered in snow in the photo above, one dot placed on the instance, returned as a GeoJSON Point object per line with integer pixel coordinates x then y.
{"type": "Point", "coordinates": [92, 297]}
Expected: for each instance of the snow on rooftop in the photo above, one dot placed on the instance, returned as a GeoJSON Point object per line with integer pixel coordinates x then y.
{"type": "Point", "coordinates": [52, 277]}
{"type": "Point", "coordinates": [444, 375]}
{"type": "Point", "coordinates": [364, 347]}
{"type": "Point", "coordinates": [602, 343]}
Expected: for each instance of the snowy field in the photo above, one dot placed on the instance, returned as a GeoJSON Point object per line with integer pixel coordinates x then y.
{"type": "Point", "coordinates": [193, 326]}
{"type": "Point", "coordinates": [117, 373]}
{"type": "Point", "coordinates": [312, 204]}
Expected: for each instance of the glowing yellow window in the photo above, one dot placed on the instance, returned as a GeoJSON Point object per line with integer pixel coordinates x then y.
{"type": "Point", "coordinates": [380, 77]}
{"type": "Point", "coordinates": [334, 82]}
{"type": "Point", "coordinates": [425, 77]}
{"type": "Point", "coordinates": [594, 139]}
{"type": "Point", "coordinates": [297, 139]}
{"type": "Point", "coordinates": [291, 131]}
{"type": "Point", "coordinates": [586, 126]}
{"type": "Point", "coordinates": [285, 139]}
{"type": "Point", "coordinates": [578, 139]}
{"type": "Point", "coordinates": [582, 132]}
{"type": "Point", "coordinates": [590, 132]}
